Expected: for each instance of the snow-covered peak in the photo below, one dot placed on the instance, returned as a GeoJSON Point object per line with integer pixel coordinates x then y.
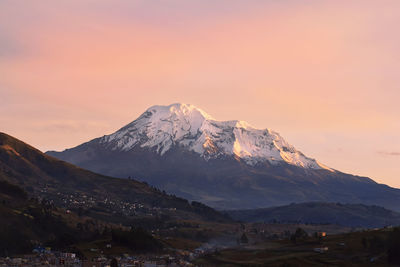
{"type": "Point", "coordinates": [188, 127]}
{"type": "Point", "coordinates": [179, 109]}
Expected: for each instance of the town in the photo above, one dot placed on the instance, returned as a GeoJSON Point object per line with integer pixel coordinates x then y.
{"type": "Point", "coordinates": [46, 257]}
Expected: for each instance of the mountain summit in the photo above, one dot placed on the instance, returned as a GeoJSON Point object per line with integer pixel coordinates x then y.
{"type": "Point", "coordinates": [162, 127]}
{"type": "Point", "coordinates": [226, 164]}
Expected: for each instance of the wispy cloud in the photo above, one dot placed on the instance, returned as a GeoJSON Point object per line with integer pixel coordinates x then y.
{"type": "Point", "coordinates": [69, 126]}
{"type": "Point", "coordinates": [389, 153]}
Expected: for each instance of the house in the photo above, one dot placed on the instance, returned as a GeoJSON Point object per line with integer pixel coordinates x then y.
{"type": "Point", "coordinates": [321, 250]}
{"type": "Point", "coordinates": [321, 234]}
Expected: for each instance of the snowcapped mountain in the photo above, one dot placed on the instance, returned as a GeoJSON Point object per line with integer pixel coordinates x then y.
{"type": "Point", "coordinates": [162, 127]}
{"type": "Point", "coordinates": [224, 164]}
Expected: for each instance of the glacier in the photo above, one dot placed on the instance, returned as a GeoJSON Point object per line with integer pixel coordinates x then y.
{"type": "Point", "coordinates": [186, 126]}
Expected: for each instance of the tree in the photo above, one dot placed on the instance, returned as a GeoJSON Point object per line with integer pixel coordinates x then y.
{"type": "Point", "coordinates": [364, 242]}
{"type": "Point", "coordinates": [114, 263]}
{"type": "Point", "coordinates": [394, 247]}
{"type": "Point", "coordinates": [244, 239]}
{"type": "Point", "coordinates": [80, 211]}
{"type": "Point", "coordinates": [136, 238]}
{"type": "Point", "coordinates": [298, 235]}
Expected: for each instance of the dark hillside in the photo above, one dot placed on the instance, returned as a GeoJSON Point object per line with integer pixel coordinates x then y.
{"type": "Point", "coordinates": [58, 181]}
{"type": "Point", "coordinates": [353, 215]}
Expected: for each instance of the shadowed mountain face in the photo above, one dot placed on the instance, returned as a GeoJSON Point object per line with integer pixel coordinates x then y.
{"type": "Point", "coordinates": [48, 177]}
{"type": "Point", "coordinates": [227, 165]}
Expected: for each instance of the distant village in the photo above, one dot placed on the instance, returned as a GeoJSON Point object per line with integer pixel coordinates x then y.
{"type": "Point", "coordinates": [47, 257]}
{"type": "Point", "coordinates": [82, 202]}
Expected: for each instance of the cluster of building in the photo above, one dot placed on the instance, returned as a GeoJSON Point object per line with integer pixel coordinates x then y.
{"type": "Point", "coordinates": [46, 257]}
{"type": "Point", "coordinates": [61, 260]}
{"type": "Point", "coordinates": [140, 261]}
{"type": "Point", "coordinates": [75, 201]}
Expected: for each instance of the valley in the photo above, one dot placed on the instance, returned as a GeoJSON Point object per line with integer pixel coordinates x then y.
{"type": "Point", "coordinates": [53, 211]}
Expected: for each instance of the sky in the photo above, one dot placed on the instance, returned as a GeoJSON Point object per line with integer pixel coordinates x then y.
{"type": "Point", "coordinates": [324, 74]}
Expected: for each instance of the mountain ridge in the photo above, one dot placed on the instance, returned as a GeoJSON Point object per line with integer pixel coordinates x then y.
{"type": "Point", "coordinates": [160, 148]}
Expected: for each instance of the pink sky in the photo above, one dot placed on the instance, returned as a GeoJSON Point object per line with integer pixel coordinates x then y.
{"type": "Point", "coordinates": [324, 74]}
